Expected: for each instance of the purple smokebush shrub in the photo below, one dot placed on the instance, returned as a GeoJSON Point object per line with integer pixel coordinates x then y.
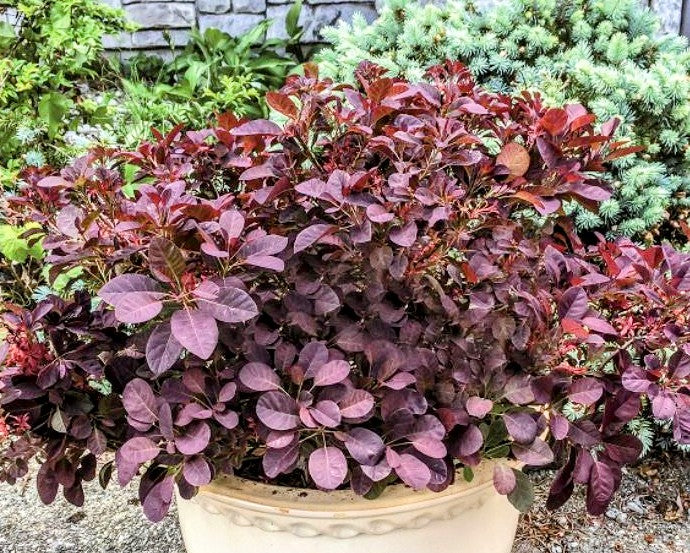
{"type": "Point", "coordinates": [384, 289]}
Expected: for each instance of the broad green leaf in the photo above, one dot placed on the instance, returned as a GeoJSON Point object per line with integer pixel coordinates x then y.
{"type": "Point", "coordinates": [292, 19]}
{"type": "Point", "coordinates": [214, 39]}
{"type": "Point", "coordinates": [105, 474]}
{"type": "Point", "coordinates": [15, 248]}
{"type": "Point", "coordinates": [194, 73]}
{"type": "Point", "coordinates": [52, 108]}
{"type": "Point", "coordinates": [496, 433]}
{"type": "Point", "coordinates": [522, 496]}
{"type": "Point", "coordinates": [253, 35]}
{"type": "Point", "coordinates": [63, 281]}
{"type": "Point", "coordinates": [7, 35]}
{"type": "Point", "coordinates": [379, 487]}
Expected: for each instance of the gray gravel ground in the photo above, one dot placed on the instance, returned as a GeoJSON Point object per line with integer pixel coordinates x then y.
{"type": "Point", "coordinates": [649, 516]}
{"type": "Point", "coordinates": [110, 522]}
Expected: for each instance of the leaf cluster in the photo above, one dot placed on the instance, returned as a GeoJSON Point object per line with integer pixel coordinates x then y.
{"type": "Point", "coordinates": [605, 55]}
{"type": "Point", "coordinates": [353, 298]}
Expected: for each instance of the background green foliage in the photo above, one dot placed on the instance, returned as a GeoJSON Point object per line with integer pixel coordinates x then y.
{"type": "Point", "coordinates": [47, 48]}
{"type": "Point", "coordinates": [59, 95]}
{"type": "Point", "coordinates": [602, 53]}
{"type": "Point", "coordinates": [20, 262]}
{"type": "Point", "coordinates": [215, 73]}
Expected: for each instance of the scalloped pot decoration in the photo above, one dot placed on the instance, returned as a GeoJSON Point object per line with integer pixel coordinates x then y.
{"type": "Point", "coordinates": [233, 515]}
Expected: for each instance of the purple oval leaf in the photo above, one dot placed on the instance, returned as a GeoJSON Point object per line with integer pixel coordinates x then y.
{"type": "Point", "coordinates": [377, 472]}
{"type": "Point", "coordinates": [196, 331]}
{"type": "Point", "coordinates": [573, 304]}
{"type": "Point", "coordinates": [157, 501]}
{"type": "Point", "coordinates": [601, 487]}
{"type": "Point", "coordinates": [364, 445]}
{"type": "Point", "coordinates": [356, 404]}
{"type": "Point", "coordinates": [413, 472]}
{"type": "Point", "coordinates": [280, 460]}
{"type": "Point", "coordinates": [379, 214]}
{"type": "Point", "coordinates": [139, 401]}
{"type": "Point", "coordinates": [257, 127]}
{"type": "Point", "coordinates": [636, 379]}
{"type": "Point", "coordinates": [431, 447]}
{"type": "Point", "coordinates": [97, 442]}
{"type": "Point", "coordinates": [537, 453]}
{"type": "Point", "coordinates": [478, 407]}
{"type": "Point", "coordinates": [138, 307]}
{"type": "Point", "coordinates": [332, 372]}
{"type": "Point", "coordinates": [228, 419]}
{"type": "Point", "coordinates": [559, 426]}
{"type": "Point", "coordinates": [311, 235]}
{"type": "Point", "coordinates": [306, 418]}
{"type": "Point", "coordinates": [197, 471]}
{"type": "Point", "coordinates": [231, 305]}
{"type": "Point", "coordinates": [266, 262]}
{"type": "Point", "coordinates": [227, 392]}
{"type": "Point", "coordinates": [663, 405]}
{"type": "Point", "coordinates": [165, 422]}
{"type": "Point", "coordinates": [327, 467]}
{"type": "Point", "coordinates": [123, 285]}
{"type": "Point", "coordinates": [162, 349]}
{"type": "Point", "coordinates": [232, 222]}
{"type": "Point", "coordinates": [271, 244]}
{"type": "Point", "coordinates": [427, 426]}
{"type": "Point", "coordinates": [326, 413]}
{"type": "Point", "coordinates": [521, 426]}
{"type": "Point", "coordinates": [277, 411]}
{"type": "Point", "coordinates": [468, 442]}
{"type": "Point", "coordinates": [278, 440]}
{"type": "Point", "coordinates": [195, 438]}
{"type": "Point", "coordinates": [166, 260]}
{"type": "Point", "coordinates": [585, 391]}
{"type": "Point", "coordinates": [504, 479]}
{"type": "Point", "coordinates": [404, 236]}
{"type": "Point", "coordinates": [192, 412]}
{"type": "Point", "coordinates": [139, 450]}
{"type": "Point", "coordinates": [259, 377]}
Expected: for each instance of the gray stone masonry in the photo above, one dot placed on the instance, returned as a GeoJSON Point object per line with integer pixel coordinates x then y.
{"type": "Point", "coordinates": [238, 16]}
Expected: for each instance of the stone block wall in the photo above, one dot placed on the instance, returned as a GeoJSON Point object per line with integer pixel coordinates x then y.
{"type": "Point", "coordinates": [174, 18]}
{"type": "Point", "coordinates": [158, 18]}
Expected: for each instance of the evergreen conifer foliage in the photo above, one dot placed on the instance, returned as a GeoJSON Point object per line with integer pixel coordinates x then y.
{"type": "Point", "coordinates": [602, 53]}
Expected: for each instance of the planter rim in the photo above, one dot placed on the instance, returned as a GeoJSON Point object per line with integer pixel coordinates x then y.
{"type": "Point", "coordinates": [309, 503]}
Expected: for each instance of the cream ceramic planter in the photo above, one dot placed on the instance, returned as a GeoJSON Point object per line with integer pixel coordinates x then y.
{"type": "Point", "coordinates": [238, 516]}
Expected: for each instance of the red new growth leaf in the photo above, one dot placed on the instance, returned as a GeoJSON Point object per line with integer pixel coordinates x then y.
{"type": "Point", "coordinates": [554, 120]}
{"type": "Point", "coordinates": [515, 158]}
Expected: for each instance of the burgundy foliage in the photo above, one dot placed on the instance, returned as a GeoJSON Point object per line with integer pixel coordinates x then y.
{"type": "Point", "coordinates": [384, 289]}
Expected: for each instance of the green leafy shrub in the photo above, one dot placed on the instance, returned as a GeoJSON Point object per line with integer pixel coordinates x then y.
{"type": "Point", "coordinates": [20, 264]}
{"type": "Point", "coordinates": [215, 73]}
{"type": "Point", "coordinates": [60, 97]}
{"type": "Point", "coordinates": [140, 106]}
{"type": "Point", "coordinates": [603, 54]}
{"type": "Point", "coordinates": [17, 248]}
{"type": "Point", "coordinates": [49, 49]}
